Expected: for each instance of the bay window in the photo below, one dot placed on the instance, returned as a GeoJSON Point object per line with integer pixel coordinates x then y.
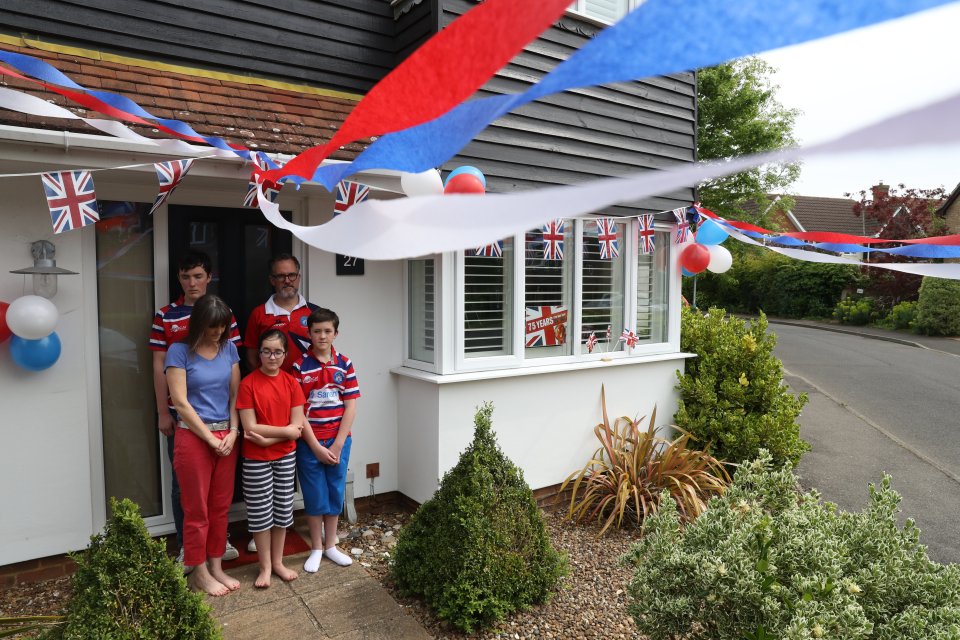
{"type": "Point", "coordinates": [557, 295]}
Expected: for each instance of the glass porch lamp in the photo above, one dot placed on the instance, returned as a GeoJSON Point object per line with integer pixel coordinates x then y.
{"type": "Point", "coordinates": [44, 269]}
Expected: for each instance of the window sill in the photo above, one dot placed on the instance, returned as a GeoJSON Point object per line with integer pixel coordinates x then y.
{"type": "Point", "coordinates": [472, 376]}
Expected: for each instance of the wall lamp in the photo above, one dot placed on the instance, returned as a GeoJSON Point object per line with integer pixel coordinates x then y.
{"type": "Point", "coordinates": [44, 269]}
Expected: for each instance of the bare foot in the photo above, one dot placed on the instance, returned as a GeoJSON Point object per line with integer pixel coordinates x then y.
{"type": "Point", "coordinates": [285, 574]}
{"type": "Point", "coordinates": [231, 584]}
{"type": "Point", "coordinates": [263, 579]}
{"type": "Point", "coordinates": [203, 581]}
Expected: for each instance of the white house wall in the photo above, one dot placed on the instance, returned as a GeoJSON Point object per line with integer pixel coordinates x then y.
{"type": "Point", "coordinates": [45, 466]}
{"type": "Point", "coordinates": [543, 422]}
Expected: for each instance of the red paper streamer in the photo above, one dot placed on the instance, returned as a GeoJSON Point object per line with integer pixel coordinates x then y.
{"type": "Point", "coordinates": [442, 73]}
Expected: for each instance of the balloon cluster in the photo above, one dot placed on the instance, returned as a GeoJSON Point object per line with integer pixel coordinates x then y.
{"type": "Point", "coordinates": [28, 323]}
{"type": "Point", "coordinates": [464, 180]}
{"type": "Point", "coordinates": [705, 251]}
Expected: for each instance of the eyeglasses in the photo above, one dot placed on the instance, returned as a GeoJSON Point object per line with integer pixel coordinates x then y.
{"type": "Point", "coordinates": [267, 353]}
{"type": "Point", "coordinates": [285, 276]}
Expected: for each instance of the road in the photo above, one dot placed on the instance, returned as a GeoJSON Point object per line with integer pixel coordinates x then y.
{"type": "Point", "coordinates": [879, 407]}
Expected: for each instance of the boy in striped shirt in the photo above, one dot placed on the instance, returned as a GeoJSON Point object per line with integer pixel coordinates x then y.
{"type": "Point", "coordinates": [330, 386]}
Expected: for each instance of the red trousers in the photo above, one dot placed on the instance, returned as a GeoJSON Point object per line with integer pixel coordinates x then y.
{"type": "Point", "coordinates": [206, 491]}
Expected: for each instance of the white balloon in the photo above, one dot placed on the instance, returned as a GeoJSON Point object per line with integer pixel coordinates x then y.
{"type": "Point", "coordinates": [428, 183]}
{"type": "Point", "coordinates": [32, 317]}
{"type": "Point", "coordinates": [720, 258]}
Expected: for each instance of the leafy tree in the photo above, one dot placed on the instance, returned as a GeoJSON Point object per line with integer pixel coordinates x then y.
{"type": "Point", "coordinates": [738, 114]}
{"type": "Point", "coordinates": [901, 213]}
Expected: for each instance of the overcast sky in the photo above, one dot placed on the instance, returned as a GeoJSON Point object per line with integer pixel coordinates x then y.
{"type": "Point", "coordinates": [846, 81]}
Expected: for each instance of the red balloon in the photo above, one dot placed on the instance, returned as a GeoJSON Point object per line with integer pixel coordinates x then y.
{"type": "Point", "coordinates": [464, 183]}
{"type": "Point", "coordinates": [695, 258]}
{"type": "Point", "coordinates": [5, 332]}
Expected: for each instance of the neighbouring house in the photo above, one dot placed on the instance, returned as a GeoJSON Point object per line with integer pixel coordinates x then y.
{"type": "Point", "coordinates": [814, 213]}
{"type": "Point", "coordinates": [431, 337]}
{"type": "Point", "coordinates": [949, 210]}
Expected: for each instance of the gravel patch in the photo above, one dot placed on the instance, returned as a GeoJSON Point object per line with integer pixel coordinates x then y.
{"type": "Point", "coordinates": [35, 599]}
{"type": "Point", "coordinates": [591, 601]}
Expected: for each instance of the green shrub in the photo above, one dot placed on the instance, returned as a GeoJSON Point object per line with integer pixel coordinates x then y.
{"type": "Point", "coordinates": [762, 280]}
{"type": "Point", "coordinates": [633, 467]}
{"type": "Point", "coordinates": [732, 394]}
{"type": "Point", "coordinates": [765, 561]}
{"type": "Point", "coordinates": [479, 549]}
{"type": "Point", "coordinates": [938, 310]}
{"type": "Point", "coordinates": [855, 311]}
{"type": "Point", "coordinates": [902, 316]}
{"type": "Point", "coordinates": [127, 588]}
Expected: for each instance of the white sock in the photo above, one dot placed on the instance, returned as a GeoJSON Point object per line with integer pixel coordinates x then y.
{"type": "Point", "coordinates": [338, 556]}
{"type": "Point", "coordinates": [312, 563]}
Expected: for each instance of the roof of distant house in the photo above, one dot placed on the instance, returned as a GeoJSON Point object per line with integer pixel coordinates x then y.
{"type": "Point", "coordinates": [260, 114]}
{"type": "Point", "coordinates": [831, 214]}
{"type": "Point", "coordinates": [942, 209]}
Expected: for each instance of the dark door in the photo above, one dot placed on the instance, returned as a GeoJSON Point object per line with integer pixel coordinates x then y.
{"type": "Point", "coordinates": [239, 243]}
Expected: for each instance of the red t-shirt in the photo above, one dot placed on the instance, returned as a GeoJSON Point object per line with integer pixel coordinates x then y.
{"type": "Point", "coordinates": [270, 316]}
{"type": "Point", "coordinates": [271, 398]}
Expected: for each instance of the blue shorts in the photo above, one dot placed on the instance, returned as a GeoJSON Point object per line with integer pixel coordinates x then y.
{"type": "Point", "coordinates": [323, 485]}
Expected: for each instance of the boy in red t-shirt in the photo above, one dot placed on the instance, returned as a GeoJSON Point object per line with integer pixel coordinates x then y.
{"type": "Point", "coordinates": [270, 403]}
{"type": "Point", "coordinates": [330, 386]}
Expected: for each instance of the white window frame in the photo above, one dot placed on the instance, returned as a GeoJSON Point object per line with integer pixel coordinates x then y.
{"type": "Point", "coordinates": [578, 9]}
{"type": "Point", "coordinates": [516, 360]}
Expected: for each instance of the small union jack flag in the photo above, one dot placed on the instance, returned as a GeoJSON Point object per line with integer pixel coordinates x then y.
{"type": "Point", "coordinates": [494, 250]}
{"type": "Point", "coordinates": [349, 194]}
{"type": "Point", "coordinates": [683, 227]}
{"type": "Point", "coordinates": [609, 332]}
{"type": "Point", "coordinates": [629, 338]}
{"type": "Point", "coordinates": [607, 237]}
{"type": "Point", "coordinates": [591, 342]}
{"type": "Point", "coordinates": [270, 189]}
{"type": "Point", "coordinates": [169, 174]}
{"type": "Point", "coordinates": [645, 233]}
{"type": "Point", "coordinates": [553, 240]}
{"type": "Point", "coordinates": [71, 198]}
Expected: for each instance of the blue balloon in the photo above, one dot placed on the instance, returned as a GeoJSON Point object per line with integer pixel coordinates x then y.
{"type": "Point", "coordinates": [684, 271]}
{"type": "Point", "coordinates": [35, 355]}
{"type": "Point", "coordinates": [467, 169]}
{"type": "Point", "coordinates": [709, 232]}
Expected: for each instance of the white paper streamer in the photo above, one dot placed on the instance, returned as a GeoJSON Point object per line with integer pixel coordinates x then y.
{"type": "Point", "coordinates": [410, 227]}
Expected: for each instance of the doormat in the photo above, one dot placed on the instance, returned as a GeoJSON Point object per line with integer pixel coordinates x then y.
{"type": "Point", "coordinates": [292, 545]}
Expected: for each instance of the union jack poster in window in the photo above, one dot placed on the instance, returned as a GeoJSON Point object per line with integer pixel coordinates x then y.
{"type": "Point", "coordinates": [348, 194]}
{"type": "Point", "coordinates": [169, 174]}
{"type": "Point", "coordinates": [683, 227]}
{"type": "Point", "coordinates": [271, 190]}
{"type": "Point", "coordinates": [546, 326]}
{"type": "Point", "coordinates": [646, 235]}
{"type": "Point", "coordinates": [553, 240]}
{"type": "Point", "coordinates": [71, 198]}
{"type": "Point", "coordinates": [494, 250]}
{"type": "Point", "coordinates": [607, 237]}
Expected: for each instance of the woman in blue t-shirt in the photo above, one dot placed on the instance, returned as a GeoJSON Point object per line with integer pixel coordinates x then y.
{"type": "Point", "coordinates": [203, 375]}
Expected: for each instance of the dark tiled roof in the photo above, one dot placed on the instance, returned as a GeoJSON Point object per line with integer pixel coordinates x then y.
{"type": "Point", "coordinates": [831, 214]}
{"type": "Point", "coordinates": [264, 118]}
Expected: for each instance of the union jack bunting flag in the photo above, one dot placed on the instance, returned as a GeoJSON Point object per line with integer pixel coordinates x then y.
{"type": "Point", "coordinates": [270, 189]}
{"type": "Point", "coordinates": [607, 237]}
{"type": "Point", "coordinates": [169, 174]}
{"type": "Point", "coordinates": [71, 198]}
{"type": "Point", "coordinates": [645, 233]}
{"type": "Point", "coordinates": [683, 227]}
{"type": "Point", "coordinates": [263, 161]}
{"type": "Point", "coordinates": [629, 338]}
{"type": "Point", "coordinates": [494, 250]}
{"type": "Point", "coordinates": [591, 342]}
{"type": "Point", "coordinates": [349, 194]}
{"type": "Point", "coordinates": [553, 240]}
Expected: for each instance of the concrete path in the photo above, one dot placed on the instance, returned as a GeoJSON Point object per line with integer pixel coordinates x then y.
{"type": "Point", "coordinates": [341, 603]}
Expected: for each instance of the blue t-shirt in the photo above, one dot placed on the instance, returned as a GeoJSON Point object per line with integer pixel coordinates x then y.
{"type": "Point", "coordinates": [208, 381]}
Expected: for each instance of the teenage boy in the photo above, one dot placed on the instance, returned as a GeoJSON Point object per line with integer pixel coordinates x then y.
{"type": "Point", "coordinates": [286, 310]}
{"type": "Point", "coordinates": [170, 325]}
{"type": "Point", "coordinates": [323, 451]}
